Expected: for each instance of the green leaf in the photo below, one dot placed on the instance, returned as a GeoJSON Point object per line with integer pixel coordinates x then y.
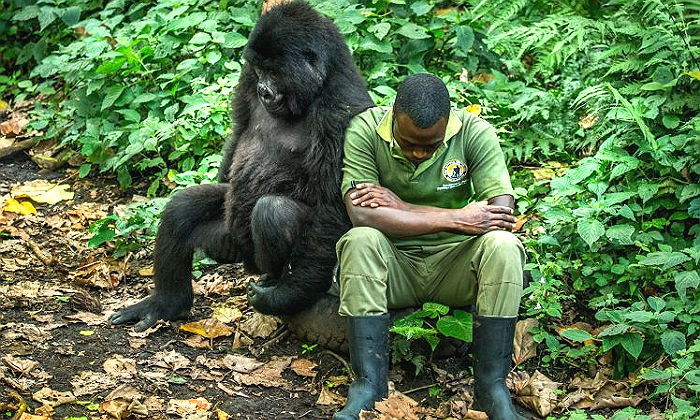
{"type": "Point", "coordinates": [647, 191]}
{"type": "Point", "coordinates": [46, 16]}
{"type": "Point", "coordinates": [622, 233]}
{"type": "Point", "coordinates": [380, 29]}
{"type": "Point", "coordinates": [213, 57]}
{"type": "Point", "coordinates": [671, 121]}
{"type": "Point", "coordinates": [631, 341]}
{"type": "Point", "coordinates": [673, 342]}
{"type": "Point", "coordinates": [458, 326]}
{"type": "Point", "coordinates": [413, 31]}
{"type": "Point", "coordinates": [421, 7]}
{"type": "Point", "coordinates": [111, 66]}
{"type": "Point", "coordinates": [686, 280]}
{"type": "Point", "coordinates": [234, 40]}
{"type": "Point", "coordinates": [71, 16]}
{"type": "Point", "coordinates": [200, 38]}
{"type": "Point", "coordinates": [130, 114]}
{"type": "Point", "coordinates": [435, 309]}
{"type": "Point", "coordinates": [465, 39]}
{"type": "Point", "coordinates": [626, 211]}
{"type": "Point", "coordinates": [590, 230]}
{"type": "Point", "coordinates": [113, 93]}
{"type": "Point", "coordinates": [577, 335]}
{"type": "Point", "coordinates": [665, 259]}
{"type": "Point", "coordinates": [84, 170]}
{"type": "Point", "coordinates": [656, 303]}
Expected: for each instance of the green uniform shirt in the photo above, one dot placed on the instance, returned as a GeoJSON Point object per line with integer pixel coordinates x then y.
{"type": "Point", "coordinates": [468, 166]}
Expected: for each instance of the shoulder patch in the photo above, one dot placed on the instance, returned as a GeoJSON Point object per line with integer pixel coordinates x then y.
{"type": "Point", "coordinates": [454, 170]}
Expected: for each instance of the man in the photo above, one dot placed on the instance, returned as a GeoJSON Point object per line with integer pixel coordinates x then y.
{"type": "Point", "coordinates": [431, 202]}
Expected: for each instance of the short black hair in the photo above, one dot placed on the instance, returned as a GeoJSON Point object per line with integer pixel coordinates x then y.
{"type": "Point", "coordinates": [424, 98]}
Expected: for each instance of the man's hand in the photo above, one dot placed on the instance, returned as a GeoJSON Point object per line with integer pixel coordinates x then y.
{"type": "Point", "coordinates": [480, 217]}
{"type": "Point", "coordinates": [373, 196]}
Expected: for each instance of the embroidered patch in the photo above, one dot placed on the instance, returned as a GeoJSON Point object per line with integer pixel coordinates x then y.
{"type": "Point", "coordinates": [454, 170]}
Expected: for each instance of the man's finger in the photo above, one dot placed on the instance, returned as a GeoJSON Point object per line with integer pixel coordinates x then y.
{"type": "Point", "coordinates": [499, 209]}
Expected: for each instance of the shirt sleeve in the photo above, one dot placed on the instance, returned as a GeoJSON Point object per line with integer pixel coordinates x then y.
{"type": "Point", "coordinates": [359, 163]}
{"type": "Point", "coordinates": [486, 163]}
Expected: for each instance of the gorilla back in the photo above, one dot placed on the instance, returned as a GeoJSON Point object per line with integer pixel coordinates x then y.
{"type": "Point", "coordinates": [277, 207]}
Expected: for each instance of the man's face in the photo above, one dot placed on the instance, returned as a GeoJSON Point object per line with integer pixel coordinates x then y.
{"type": "Point", "coordinates": [417, 144]}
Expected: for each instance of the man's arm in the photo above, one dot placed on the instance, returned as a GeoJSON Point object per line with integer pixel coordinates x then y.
{"type": "Point", "coordinates": [378, 207]}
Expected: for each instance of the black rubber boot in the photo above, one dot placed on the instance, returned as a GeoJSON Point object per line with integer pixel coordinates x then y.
{"type": "Point", "coordinates": [368, 337]}
{"type": "Point", "coordinates": [493, 350]}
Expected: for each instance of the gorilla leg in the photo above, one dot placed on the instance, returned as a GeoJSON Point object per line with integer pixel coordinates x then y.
{"type": "Point", "coordinates": [192, 219]}
{"type": "Point", "coordinates": [276, 224]}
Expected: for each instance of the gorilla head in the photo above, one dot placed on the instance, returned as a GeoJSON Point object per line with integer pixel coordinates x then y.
{"type": "Point", "coordinates": [291, 51]}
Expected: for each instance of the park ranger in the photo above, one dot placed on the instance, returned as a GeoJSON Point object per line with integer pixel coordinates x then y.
{"type": "Point", "coordinates": [431, 202]}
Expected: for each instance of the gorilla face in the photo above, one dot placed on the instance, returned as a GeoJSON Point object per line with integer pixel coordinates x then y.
{"type": "Point", "coordinates": [287, 83]}
{"type": "Point", "coordinates": [288, 52]}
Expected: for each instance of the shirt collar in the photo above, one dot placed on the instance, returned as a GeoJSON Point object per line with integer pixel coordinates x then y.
{"type": "Point", "coordinates": [454, 124]}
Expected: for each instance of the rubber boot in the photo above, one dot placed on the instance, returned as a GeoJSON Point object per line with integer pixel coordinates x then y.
{"type": "Point", "coordinates": [493, 350]}
{"type": "Point", "coordinates": [368, 338]}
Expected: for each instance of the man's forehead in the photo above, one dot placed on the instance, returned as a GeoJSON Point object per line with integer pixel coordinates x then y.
{"type": "Point", "coordinates": [405, 126]}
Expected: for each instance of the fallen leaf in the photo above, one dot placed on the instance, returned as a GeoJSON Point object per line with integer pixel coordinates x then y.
{"type": "Point", "coordinates": [13, 127]}
{"type": "Point", "coordinates": [396, 407]}
{"type": "Point", "coordinates": [539, 393]}
{"type": "Point", "coordinates": [42, 191]}
{"type": "Point", "coordinates": [221, 415]}
{"type": "Point", "coordinates": [524, 346]}
{"type": "Point", "coordinates": [304, 367]}
{"type": "Point", "coordinates": [269, 375]}
{"type": "Point", "coordinates": [328, 397]}
{"type": "Point", "coordinates": [51, 398]}
{"type": "Point", "coordinates": [19, 207]}
{"type": "Point", "coordinates": [117, 408]}
{"type": "Point", "coordinates": [191, 409]}
{"type": "Point", "coordinates": [543, 173]}
{"type": "Point", "coordinates": [209, 328]}
{"type": "Point", "coordinates": [20, 366]}
{"type": "Point", "coordinates": [259, 325]}
{"type": "Point", "coordinates": [119, 366]}
{"type": "Point", "coordinates": [27, 416]}
{"type": "Point", "coordinates": [226, 313]}
{"type": "Point", "coordinates": [170, 360]}
{"type": "Point", "coordinates": [90, 383]}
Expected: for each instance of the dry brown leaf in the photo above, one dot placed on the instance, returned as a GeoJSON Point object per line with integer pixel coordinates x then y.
{"type": "Point", "coordinates": [13, 127]}
{"type": "Point", "coordinates": [524, 346]}
{"type": "Point", "coordinates": [539, 393]}
{"type": "Point", "coordinates": [51, 398]}
{"type": "Point", "coordinates": [105, 273]}
{"type": "Point", "coordinates": [396, 407]}
{"type": "Point", "coordinates": [147, 271]}
{"type": "Point", "coordinates": [117, 408]}
{"type": "Point", "coordinates": [270, 374]}
{"type": "Point", "coordinates": [42, 191]}
{"type": "Point", "coordinates": [90, 383]}
{"type": "Point", "coordinates": [226, 313]}
{"type": "Point", "coordinates": [170, 360]}
{"type": "Point", "coordinates": [239, 363]}
{"type": "Point", "coordinates": [328, 397]}
{"type": "Point", "coordinates": [119, 366]}
{"type": "Point", "coordinates": [304, 367]}
{"type": "Point", "coordinates": [124, 392]}
{"type": "Point", "coordinates": [209, 328]}
{"type": "Point", "coordinates": [191, 409]}
{"type": "Point", "coordinates": [259, 325]}
{"type": "Point", "coordinates": [240, 340]}
{"type": "Point", "coordinates": [611, 395]}
{"type": "Point", "coordinates": [20, 366]}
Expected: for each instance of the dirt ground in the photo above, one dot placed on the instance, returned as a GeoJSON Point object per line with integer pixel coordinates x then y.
{"type": "Point", "coordinates": [60, 356]}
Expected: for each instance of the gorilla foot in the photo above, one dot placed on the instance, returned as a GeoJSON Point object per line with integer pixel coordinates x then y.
{"type": "Point", "coordinates": [150, 310]}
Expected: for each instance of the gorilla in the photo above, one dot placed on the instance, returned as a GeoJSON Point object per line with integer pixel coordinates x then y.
{"type": "Point", "coordinates": [277, 207]}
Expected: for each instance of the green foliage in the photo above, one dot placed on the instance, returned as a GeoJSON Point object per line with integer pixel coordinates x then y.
{"type": "Point", "coordinates": [427, 325]}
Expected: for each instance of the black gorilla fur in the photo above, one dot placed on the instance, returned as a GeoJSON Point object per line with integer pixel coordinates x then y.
{"type": "Point", "coordinates": [277, 207]}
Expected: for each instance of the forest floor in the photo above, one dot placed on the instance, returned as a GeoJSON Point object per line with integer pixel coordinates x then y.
{"type": "Point", "coordinates": [60, 358]}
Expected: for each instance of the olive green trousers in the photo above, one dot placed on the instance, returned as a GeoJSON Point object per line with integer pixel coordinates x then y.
{"type": "Point", "coordinates": [375, 275]}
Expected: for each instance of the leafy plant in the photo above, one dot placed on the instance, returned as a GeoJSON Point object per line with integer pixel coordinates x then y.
{"type": "Point", "coordinates": [428, 324]}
